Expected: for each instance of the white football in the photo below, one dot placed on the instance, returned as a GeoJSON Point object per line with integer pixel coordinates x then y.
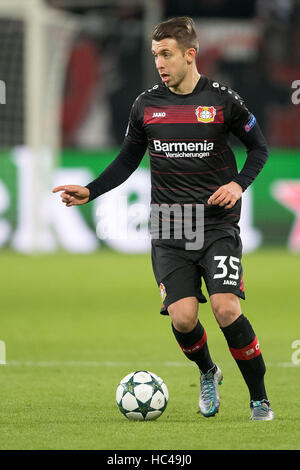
{"type": "Point", "coordinates": [142, 396]}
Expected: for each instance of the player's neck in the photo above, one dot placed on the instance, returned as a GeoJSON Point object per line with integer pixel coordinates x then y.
{"type": "Point", "coordinates": [188, 83]}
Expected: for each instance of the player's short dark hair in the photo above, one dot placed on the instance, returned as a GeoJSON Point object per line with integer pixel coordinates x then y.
{"type": "Point", "coordinates": [181, 28]}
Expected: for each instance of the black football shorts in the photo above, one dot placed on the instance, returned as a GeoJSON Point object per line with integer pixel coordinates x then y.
{"type": "Point", "coordinates": [179, 272]}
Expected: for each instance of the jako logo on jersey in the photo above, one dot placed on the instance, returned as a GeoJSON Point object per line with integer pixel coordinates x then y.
{"type": "Point", "coordinates": [158, 115]}
{"type": "Point", "coordinates": [205, 113]}
{"type": "Point", "coordinates": [250, 124]}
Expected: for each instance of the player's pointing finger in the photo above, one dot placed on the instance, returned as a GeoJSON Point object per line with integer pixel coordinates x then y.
{"type": "Point", "coordinates": [59, 188]}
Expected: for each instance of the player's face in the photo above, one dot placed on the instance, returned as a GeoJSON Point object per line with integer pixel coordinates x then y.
{"type": "Point", "coordinates": [171, 61]}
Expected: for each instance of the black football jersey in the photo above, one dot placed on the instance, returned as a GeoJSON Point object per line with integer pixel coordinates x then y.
{"type": "Point", "coordinates": [188, 143]}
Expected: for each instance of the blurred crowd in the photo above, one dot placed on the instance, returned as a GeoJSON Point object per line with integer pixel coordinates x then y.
{"type": "Point", "coordinates": [105, 70]}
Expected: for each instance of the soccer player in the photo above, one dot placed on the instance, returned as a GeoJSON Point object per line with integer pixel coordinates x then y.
{"type": "Point", "coordinates": [185, 121]}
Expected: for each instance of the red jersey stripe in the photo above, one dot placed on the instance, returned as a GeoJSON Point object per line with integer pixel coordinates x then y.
{"type": "Point", "coordinates": [184, 114]}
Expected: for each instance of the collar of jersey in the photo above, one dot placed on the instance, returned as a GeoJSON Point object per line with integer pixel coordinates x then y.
{"type": "Point", "coordinates": [198, 87]}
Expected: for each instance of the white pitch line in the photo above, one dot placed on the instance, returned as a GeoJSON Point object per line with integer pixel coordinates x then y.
{"type": "Point", "coordinates": [136, 365]}
{"type": "Point", "coordinates": [91, 364]}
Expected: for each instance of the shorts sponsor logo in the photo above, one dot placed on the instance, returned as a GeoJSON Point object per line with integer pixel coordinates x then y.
{"type": "Point", "coordinates": [206, 113]}
{"type": "Point", "coordinates": [229, 283]}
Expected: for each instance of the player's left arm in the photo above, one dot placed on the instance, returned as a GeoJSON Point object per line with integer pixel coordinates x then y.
{"type": "Point", "coordinates": [246, 128]}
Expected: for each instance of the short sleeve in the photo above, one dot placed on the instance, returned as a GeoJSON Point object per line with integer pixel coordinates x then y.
{"type": "Point", "coordinates": [135, 130]}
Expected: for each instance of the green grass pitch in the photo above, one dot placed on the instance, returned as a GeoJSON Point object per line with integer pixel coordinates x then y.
{"type": "Point", "coordinates": [74, 326]}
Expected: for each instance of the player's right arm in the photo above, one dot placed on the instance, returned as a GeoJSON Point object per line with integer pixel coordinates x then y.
{"type": "Point", "coordinates": [132, 151]}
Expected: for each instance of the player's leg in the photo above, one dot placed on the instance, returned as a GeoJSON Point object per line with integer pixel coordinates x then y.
{"type": "Point", "coordinates": [179, 280]}
{"type": "Point", "coordinates": [242, 342]}
{"type": "Point", "coordinates": [192, 339]}
{"type": "Point", "coordinates": [190, 333]}
{"type": "Point", "coordinates": [224, 282]}
{"type": "Point", "coordinates": [245, 349]}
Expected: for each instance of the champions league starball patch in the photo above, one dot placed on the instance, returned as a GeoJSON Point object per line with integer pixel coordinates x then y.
{"type": "Point", "coordinates": [250, 124]}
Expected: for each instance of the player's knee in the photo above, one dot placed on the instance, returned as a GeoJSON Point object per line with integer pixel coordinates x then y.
{"type": "Point", "coordinates": [184, 315]}
{"type": "Point", "coordinates": [227, 310]}
{"type": "Point", "coordinates": [184, 323]}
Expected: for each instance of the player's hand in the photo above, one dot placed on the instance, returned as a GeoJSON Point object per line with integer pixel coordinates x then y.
{"type": "Point", "coordinates": [226, 195]}
{"type": "Point", "coordinates": [73, 195]}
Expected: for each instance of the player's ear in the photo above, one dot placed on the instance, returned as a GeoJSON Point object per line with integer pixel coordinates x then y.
{"type": "Point", "coordinates": [190, 54]}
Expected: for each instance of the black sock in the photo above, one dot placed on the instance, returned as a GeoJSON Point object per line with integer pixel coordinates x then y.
{"type": "Point", "coordinates": [194, 346]}
{"type": "Point", "coordinates": [245, 349]}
